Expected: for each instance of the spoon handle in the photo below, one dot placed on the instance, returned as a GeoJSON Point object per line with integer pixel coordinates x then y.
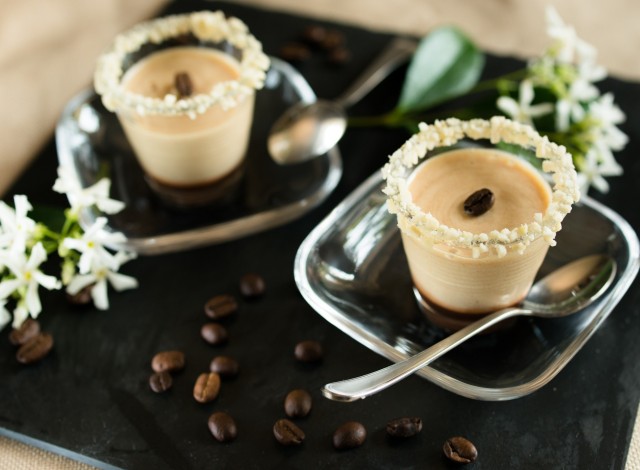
{"type": "Point", "coordinates": [370, 384]}
{"type": "Point", "coordinates": [396, 52]}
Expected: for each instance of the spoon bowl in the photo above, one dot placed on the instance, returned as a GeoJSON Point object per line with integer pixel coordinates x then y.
{"type": "Point", "coordinates": [307, 131]}
{"type": "Point", "coordinates": [563, 292]}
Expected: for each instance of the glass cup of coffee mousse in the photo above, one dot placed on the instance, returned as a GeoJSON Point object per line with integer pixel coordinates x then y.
{"type": "Point", "coordinates": [183, 89]}
{"type": "Point", "coordinates": [476, 221]}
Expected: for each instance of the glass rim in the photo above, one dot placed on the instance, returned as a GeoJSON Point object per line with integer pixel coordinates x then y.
{"type": "Point", "coordinates": [414, 221]}
{"type": "Point", "coordinates": [207, 26]}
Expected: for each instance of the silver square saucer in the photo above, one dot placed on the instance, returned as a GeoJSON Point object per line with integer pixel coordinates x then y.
{"type": "Point", "coordinates": [352, 270]}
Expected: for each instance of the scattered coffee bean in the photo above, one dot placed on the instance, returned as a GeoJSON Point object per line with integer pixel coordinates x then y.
{"type": "Point", "coordinates": [183, 84]}
{"type": "Point", "coordinates": [224, 366]}
{"type": "Point", "coordinates": [25, 332]}
{"type": "Point", "coordinates": [332, 39]}
{"type": "Point", "coordinates": [170, 361]}
{"type": "Point", "coordinates": [349, 435]}
{"type": "Point", "coordinates": [295, 53]}
{"type": "Point", "coordinates": [404, 427]}
{"type": "Point", "coordinates": [287, 433]}
{"type": "Point", "coordinates": [308, 351]}
{"type": "Point", "coordinates": [160, 381]}
{"type": "Point", "coordinates": [223, 427]}
{"type": "Point", "coordinates": [479, 202]}
{"type": "Point", "coordinates": [459, 449]}
{"type": "Point", "coordinates": [35, 349]}
{"type": "Point", "coordinates": [214, 333]}
{"type": "Point", "coordinates": [252, 285]}
{"type": "Point", "coordinates": [207, 387]}
{"type": "Point", "coordinates": [339, 56]}
{"type": "Point", "coordinates": [220, 306]}
{"type": "Point", "coordinates": [297, 403]}
{"type": "Point", "coordinates": [82, 297]}
{"type": "Point", "coordinates": [314, 35]}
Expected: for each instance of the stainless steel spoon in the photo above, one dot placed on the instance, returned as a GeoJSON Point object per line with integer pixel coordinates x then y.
{"type": "Point", "coordinates": [561, 293]}
{"type": "Point", "coordinates": [307, 130]}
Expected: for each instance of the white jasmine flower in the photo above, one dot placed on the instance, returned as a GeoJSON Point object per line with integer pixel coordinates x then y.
{"type": "Point", "coordinates": [571, 106]}
{"type": "Point", "coordinates": [91, 247]}
{"type": "Point", "coordinates": [80, 198]}
{"type": "Point", "coordinates": [522, 110]}
{"type": "Point", "coordinates": [567, 46]}
{"type": "Point", "coordinates": [591, 72]}
{"type": "Point", "coordinates": [590, 174]}
{"type": "Point", "coordinates": [17, 228]}
{"type": "Point", "coordinates": [609, 115]}
{"type": "Point", "coordinates": [28, 278]}
{"type": "Point", "coordinates": [99, 277]}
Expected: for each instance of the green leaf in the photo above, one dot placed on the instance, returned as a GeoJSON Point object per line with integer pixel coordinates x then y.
{"type": "Point", "coordinates": [445, 65]}
{"type": "Point", "coordinates": [52, 217]}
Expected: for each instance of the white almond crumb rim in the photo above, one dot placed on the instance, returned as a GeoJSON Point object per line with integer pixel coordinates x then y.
{"type": "Point", "coordinates": [413, 220]}
{"type": "Point", "coordinates": [205, 26]}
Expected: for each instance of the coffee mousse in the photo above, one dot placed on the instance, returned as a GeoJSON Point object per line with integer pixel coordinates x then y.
{"type": "Point", "coordinates": [456, 277]}
{"type": "Point", "coordinates": [182, 150]}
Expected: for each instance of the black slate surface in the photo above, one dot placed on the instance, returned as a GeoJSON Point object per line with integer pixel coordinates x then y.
{"type": "Point", "coordinates": [91, 397]}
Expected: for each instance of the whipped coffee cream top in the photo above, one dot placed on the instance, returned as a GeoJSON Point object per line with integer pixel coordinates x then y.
{"type": "Point", "coordinates": [412, 219]}
{"type": "Point", "coordinates": [206, 26]}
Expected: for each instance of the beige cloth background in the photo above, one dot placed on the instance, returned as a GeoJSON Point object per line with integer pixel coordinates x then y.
{"type": "Point", "coordinates": [48, 50]}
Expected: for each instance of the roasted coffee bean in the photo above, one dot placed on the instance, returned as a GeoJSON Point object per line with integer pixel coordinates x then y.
{"type": "Point", "coordinates": [207, 387]}
{"type": "Point", "coordinates": [224, 366]}
{"type": "Point", "coordinates": [479, 202]}
{"type": "Point", "coordinates": [82, 297]}
{"type": "Point", "coordinates": [297, 403]}
{"type": "Point", "coordinates": [295, 53]}
{"type": "Point", "coordinates": [25, 332]}
{"type": "Point", "coordinates": [223, 427]}
{"type": "Point", "coordinates": [35, 349]}
{"type": "Point", "coordinates": [314, 34]}
{"type": "Point", "coordinates": [332, 40]}
{"type": "Point", "coordinates": [160, 381]}
{"type": "Point", "coordinates": [404, 427]}
{"type": "Point", "coordinates": [183, 84]}
{"type": "Point", "coordinates": [308, 351]}
{"type": "Point", "coordinates": [220, 306]}
{"type": "Point", "coordinates": [460, 450]}
{"type": "Point", "coordinates": [339, 56]}
{"type": "Point", "coordinates": [214, 333]}
{"type": "Point", "coordinates": [351, 434]}
{"type": "Point", "coordinates": [287, 433]}
{"type": "Point", "coordinates": [252, 285]}
{"type": "Point", "coordinates": [170, 361]}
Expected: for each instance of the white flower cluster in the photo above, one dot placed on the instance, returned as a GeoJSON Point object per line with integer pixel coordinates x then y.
{"type": "Point", "coordinates": [205, 26]}
{"type": "Point", "coordinates": [86, 260]}
{"type": "Point", "coordinates": [412, 219]}
{"type": "Point", "coordinates": [587, 120]}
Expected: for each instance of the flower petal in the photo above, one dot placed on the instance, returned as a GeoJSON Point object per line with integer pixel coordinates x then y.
{"type": "Point", "coordinates": [8, 287]}
{"type": "Point", "coordinates": [5, 316]}
{"type": "Point", "coordinates": [46, 281]}
{"type": "Point", "coordinates": [509, 106]}
{"type": "Point", "coordinates": [99, 295]}
{"type": "Point", "coordinates": [38, 255]}
{"type": "Point", "coordinates": [110, 206]}
{"type": "Point", "coordinates": [79, 282]}
{"type": "Point", "coordinates": [32, 299]}
{"type": "Point", "coordinates": [122, 282]}
{"type": "Point", "coordinates": [20, 314]}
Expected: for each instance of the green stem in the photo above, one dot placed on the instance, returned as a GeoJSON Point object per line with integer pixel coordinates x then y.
{"type": "Point", "coordinates": [492, 83]}
{"type": "Point", "coordinates": [69, 221]}
{"type": "Point", "coordinates": [51, 234]}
